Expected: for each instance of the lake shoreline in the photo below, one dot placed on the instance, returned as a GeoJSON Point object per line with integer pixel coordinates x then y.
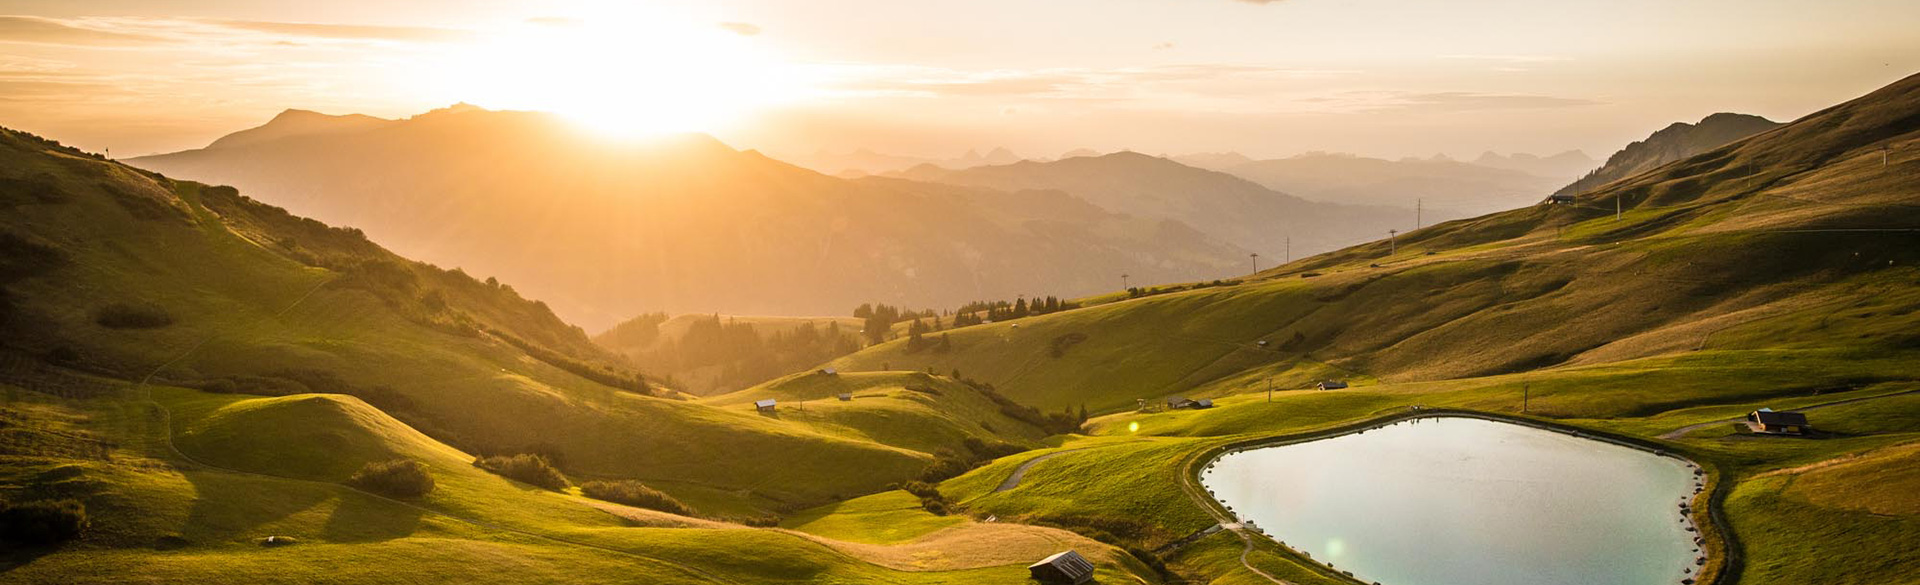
{"type": "Point", "coordinates": [1701, 511]}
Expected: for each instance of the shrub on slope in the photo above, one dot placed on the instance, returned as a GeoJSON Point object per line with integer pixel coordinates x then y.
{"type": "Point", "coordinates": [635, 494]}
{"type": "Point", "coordinates": [529, 469]}
{"type": "Point", "coordinates": [400, 478]}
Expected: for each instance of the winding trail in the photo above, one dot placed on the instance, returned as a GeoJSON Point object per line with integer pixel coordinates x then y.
{"type": "Point", "coordinates": [1684, 431]}
{"type": "Point", "coordinates": [166, 428]}
{"type": "Point", "coordinates": [1013, 479]}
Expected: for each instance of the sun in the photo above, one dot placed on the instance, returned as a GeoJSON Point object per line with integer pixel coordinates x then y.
{"type": "Point", "coordinates": [623, 72]}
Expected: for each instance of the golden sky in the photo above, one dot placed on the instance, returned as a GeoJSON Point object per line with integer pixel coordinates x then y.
{"type": "Point", "coordinates": [1268, 78]}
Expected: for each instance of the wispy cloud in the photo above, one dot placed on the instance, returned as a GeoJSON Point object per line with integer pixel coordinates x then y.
{"type": "Point", "coordinates": [1507, 58]}
{"type": "Point", "coordinates": [741, 28]}
{"type": "Point", "coordinates": [351, 31]}
{"type": "Point", "coordinates": [32, 29]}
{"type": "Point", "coordinates": [1448, 101]}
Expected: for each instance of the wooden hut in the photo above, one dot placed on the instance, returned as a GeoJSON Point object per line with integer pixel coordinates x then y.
{"type": "Point", "coordinates": [1062, 567]}
{"type": "Point", "coordinates": [1178, 402]}
{"type": "Point", "coordinates": [844, 396]}
{"type": "Point", "coordinates": [1766, 420]}
{"type": "Point", "coordinates": [1331, 385]}
{"type": "Point", "coordinates": [766, 406]}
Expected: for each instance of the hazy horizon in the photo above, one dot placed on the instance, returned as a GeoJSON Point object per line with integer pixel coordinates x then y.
{"type": "Point", "coordinates": [1268, 79]}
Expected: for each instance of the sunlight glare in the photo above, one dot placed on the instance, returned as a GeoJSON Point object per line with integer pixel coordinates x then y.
{"type": "Point", "coordinates": [623, 71]}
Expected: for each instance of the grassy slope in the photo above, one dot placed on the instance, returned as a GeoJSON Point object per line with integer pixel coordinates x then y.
{"type": "Point", "coordinates": [1707, 255]}
{"type": "Point", "coordinates": [213, 263]}
{"type": "Point", "coordinates": [913, 410]}
{"type": "Point", "coordinates": [159, 518]}
{"type": "Point", "coordinates": [1714, 294]}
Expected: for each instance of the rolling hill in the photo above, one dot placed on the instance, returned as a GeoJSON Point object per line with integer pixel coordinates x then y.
{"type": "Point", "coordinates": [1704, 257]}
{"type": "Point", "coordinates": [131, 275]}
{"type": "Point", "coordinates": [1717, 290]}
{"type": "Point", "coordinates": [606, 231]}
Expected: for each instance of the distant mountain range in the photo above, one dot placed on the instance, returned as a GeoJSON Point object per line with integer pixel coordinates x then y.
{"type": "Point", "coordinates": [864, 161]}
{"type": "Point", "coordinates": [1446, 189]}
{"type": "Point", "coordinates": [603, 233]}
{"type": "Point", "coordinates": [1227, 207]}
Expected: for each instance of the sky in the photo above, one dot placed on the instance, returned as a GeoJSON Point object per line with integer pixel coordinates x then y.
{"type": "Point", "coordinates": [1272, 78]}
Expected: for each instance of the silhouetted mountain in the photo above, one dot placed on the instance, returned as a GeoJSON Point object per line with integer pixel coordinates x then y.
{"type": "Point", "coordinates": [292, 123]}
{"type": "Point", "coordinates": [1224, 206]}
{"type": "Point", "coordinates": [1675, 142]}
{"type": "Point", "coordinates": [604, 232]}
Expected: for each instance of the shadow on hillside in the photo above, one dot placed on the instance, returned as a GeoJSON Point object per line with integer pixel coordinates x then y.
{"type": "Point", "coordinates": [229, 507]}
{"type": "Point", "coordinates": [14, 558]}
{"type": "Point", "coordinates": [361, 518]}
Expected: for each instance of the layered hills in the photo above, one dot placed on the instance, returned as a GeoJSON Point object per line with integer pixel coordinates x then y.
{"type": "Point", "coordinates": [606, 231]}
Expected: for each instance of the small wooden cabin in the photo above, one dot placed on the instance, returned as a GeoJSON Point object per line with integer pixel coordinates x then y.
{"type": "Point", "coordinates": [764, 406]}
{"type": "Point", "coordinates": [1331, 385]}
{"type": "Point", "coordinates": [1766, 420]}
{"type": "Point", "coordinates": [844, 396]}
{"type": "Point", "coordinates": [1178, 402]}
{"type": "Point", "coordinates": [1559, 199]}
{"type": "Point", "coordinates": [1062, 567]}
{"type": "Point", "coordinates": [1202, 403]}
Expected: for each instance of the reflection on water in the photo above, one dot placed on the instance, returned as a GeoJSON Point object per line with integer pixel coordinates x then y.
{"type": "Point", "coordinates": [1462, 501]}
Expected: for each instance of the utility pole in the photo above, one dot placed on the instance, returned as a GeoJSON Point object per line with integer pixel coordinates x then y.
{"type": "Point", "coordinates": [1391, 245]}
{"type": "Point", "coordinates": [1616, 206]}
{"type": "Point", "coordinates": [1269, 389]}
{"type": "Point", "coordinates": [1289, 249]}
{"type": "Point", "coordinates": [1256, 262]}
{"type": "Point", "coordinates": [1526, 393]}
{"type": "Point", "coordinates": [1418, 204]}
{"type": "Point", "coordinates": [1123, 282]}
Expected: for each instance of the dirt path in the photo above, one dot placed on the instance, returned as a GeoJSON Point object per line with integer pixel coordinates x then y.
{"type": "Point", "coordinates": [1684, 431]}
{"type": "Point", "coordinates": [1013, 479]}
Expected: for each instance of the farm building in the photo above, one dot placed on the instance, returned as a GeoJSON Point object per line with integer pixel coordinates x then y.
{"type": "Point", "coordinates": [767, 405]}
{"type": "Point", "coordinates": [1767, 421]}
{"type": "Point", "coordinates": [1202, 403]}
{"type": "Point", "coordinates": [829, 372]}
{"type": "Point", "coordinates": [1559, 199]}
{"type": "Point", "coordinates": [1331, 385]}
{"type": "Point", "coordinates": [844, 396]}
{"type": "Point", "coordinates": [1062, 567]}
{"type": "Point", "coordinates": [1178, 402]}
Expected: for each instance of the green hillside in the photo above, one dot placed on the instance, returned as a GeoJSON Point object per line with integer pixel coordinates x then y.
{"type": "Point", "coordinates": [247, 299]}
{"type": "Point", "coordinates": [1776, 271]}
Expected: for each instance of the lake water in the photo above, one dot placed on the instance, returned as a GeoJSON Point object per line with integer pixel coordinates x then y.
{"type": "Point", "coordinates": [1465, 501]}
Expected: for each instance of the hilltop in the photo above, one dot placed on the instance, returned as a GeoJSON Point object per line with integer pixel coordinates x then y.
{"type": "Point", "coordinates": [1677, 141]}
{"type": "Point", "coordinates": [607, 231]}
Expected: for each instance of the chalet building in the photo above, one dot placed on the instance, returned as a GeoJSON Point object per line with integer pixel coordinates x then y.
{"type": "Point", "coordinates": [1062, 567]}
{"type": "Point", "coordinates": [766, 406]}
{"type": "Point", "coordinates": [1202, 403]}
{"type": "Point", "coordinates": [1331, 385]}
{"type": "Point", "coordinates": [1178, 402]}
{"type": "Point", "coordinates": [1767, 421]}
{"type": "Point", "coordinates": [1559, 199]}
{"type": "Point", "coordinates": [844, 396]}
{"type": "Point", "coordinates": [829, 372]}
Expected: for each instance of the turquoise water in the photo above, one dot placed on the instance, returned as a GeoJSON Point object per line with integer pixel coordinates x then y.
{"type": "Point", "coordinates": [1463, 501]}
